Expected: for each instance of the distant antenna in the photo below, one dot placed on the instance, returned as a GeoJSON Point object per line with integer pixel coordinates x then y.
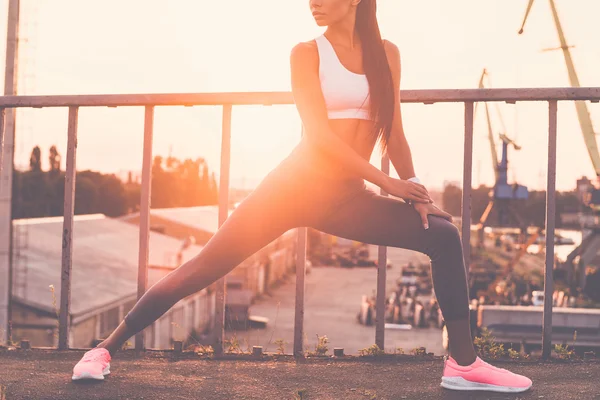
{"type": "Point", "coordinates": [27, 48]}
{"type": "Point", "coordinates": [27, 43]}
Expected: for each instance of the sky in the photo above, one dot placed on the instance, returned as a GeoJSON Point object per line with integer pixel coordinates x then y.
{"type": "Point", "coordinates": [189, 46]}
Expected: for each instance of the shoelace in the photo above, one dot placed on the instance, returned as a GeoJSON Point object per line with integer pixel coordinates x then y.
{"type": "Point", "coordinates": [496, 368]}
{"type": "Point", "coordinates": [94, 357]}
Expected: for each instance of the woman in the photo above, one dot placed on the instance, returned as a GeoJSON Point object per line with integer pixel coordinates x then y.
{"type": "Point", "coordinates": [346, 88]}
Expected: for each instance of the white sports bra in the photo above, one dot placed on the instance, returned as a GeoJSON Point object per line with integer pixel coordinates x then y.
{"type": "Point", "coordinates": [346, 93]}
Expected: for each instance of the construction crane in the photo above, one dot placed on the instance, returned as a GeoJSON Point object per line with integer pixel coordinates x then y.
{"type": "Point", "coordinates": [590, 246]}
{"type": "Point", "coordinates": [481, 85]}
{"type": "Point", "coordinates": [503, 193]}
{"type": "Point", "coordinates": [583, 114]}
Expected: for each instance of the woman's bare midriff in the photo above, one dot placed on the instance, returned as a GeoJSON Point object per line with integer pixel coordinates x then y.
{"type": "Point", "coordinates": [354, 132]}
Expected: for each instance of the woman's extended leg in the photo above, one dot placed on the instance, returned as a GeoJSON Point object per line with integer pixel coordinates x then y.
{"type": "Point", "coordinates": [370, 218]}
{"type": "Point", "coordinates": [269, 211]}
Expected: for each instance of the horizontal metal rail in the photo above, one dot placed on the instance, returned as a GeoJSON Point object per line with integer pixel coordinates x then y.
{"type": "Point", "coordinates": [274, 98]}
{"type": "Point", "coordinates": [466, 96]}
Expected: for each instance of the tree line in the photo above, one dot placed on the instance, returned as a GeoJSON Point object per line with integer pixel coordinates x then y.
{"type": "Point", "coordinates": [175, 183]}
{"type": "Point", "coordinates": [187, 183]}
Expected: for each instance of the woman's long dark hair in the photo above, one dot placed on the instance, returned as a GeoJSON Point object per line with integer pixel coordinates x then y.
{"type": "Point", "coordinates": [377, 69]}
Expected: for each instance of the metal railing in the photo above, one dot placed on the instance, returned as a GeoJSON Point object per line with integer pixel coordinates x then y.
{"type": "Point", "coordinates": [227, 100]}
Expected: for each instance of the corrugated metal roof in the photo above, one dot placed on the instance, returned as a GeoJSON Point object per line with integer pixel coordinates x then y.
{"type": "Point", "coordinates": [205, 218]}
{"type": "Point", "coordinates": [105, 260]}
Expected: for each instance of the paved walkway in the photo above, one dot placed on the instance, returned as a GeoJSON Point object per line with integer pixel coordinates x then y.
{"type": "Point", "coordinates": [39, 375]}
{"type": "Point", "coordinates": [332, 301]}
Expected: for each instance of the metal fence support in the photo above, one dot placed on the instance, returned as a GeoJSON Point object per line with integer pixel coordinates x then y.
{"type": "Point", "coordinates": [550, 225]}
{"type": "Point", "coordinates": [219, 329]}
{"type": "Point", "coordinates": [428, 96]}
{"type": "Point", "coordinates": [2, 116]}
{"type": "Point", "coordinates": [67, 234]}
{"type": "Point", "coordinates": [299, 307]}
{"type": "Point", "coordinates": [467, 183]}
{"type": "Point", "coordinates": [145, 203]}
{"type": "Point", "coordinates": [381, 275]}
{"type": "Point", "coordinates": [6, 289]}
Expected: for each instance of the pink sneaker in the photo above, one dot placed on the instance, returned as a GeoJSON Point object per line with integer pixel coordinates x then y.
{"type": "Point", "coordinates": [482, 376]}
{"type": "Point", "coordinates": [95, 364]}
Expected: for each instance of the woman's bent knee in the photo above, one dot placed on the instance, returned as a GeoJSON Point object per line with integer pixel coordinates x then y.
{"type": "Point", "coordinates": [442, 235]}
{"type": "Point", "coordinates": [442, 228]}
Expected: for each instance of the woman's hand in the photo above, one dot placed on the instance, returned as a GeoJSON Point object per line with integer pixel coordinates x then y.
{"type": "Point", "coordinates": [425, 209]}
{"type": "Point", "coordinates": [407, 190]}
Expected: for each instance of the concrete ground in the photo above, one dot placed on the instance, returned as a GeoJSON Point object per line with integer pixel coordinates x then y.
{"type": "Point", "coordinates": [41, 375]}
{"type": "Point", "coordinates": [332, 301]}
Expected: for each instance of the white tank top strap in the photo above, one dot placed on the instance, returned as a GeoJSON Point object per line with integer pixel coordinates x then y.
{"type": "Point", "coordinates": [327, 54]}
{"type": "Point", "coordinates": [346, 93]}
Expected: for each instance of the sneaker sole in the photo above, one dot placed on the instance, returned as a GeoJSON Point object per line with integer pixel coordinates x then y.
{"type": "Point", "coordinates": [87, 375]}
{"type": "Point", "coordinates": [459, 383]}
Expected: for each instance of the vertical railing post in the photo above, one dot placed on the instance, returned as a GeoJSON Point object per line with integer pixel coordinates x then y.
{"type": "Point", "coordinates": [381, 275]}
{"type": "Point", "coordinates": [67, 234]}
{"type": "Point", "coordinates": [467, 183]}
{"type": "Point", "coordinates": [145, 203]}
{"type": "Point", "coordinates": [550, 225]}
{"type": "Point", "coordinates": [223, 214]}
{"type": "Point", "coordinates": [6, 286]}
{"type": "Point", "coordinates": [2, 115]}
{"type": "Point", "coordinates": [299, 306]}
{"type": "Point", "coordinates": [6, 172]}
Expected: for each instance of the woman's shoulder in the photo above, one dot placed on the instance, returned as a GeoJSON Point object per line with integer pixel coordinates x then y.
{"type": "Point", "coordinates": [392, 52]}
{"type": "Point", "coordinates": [390, 47]}
{"type": "Point", "coordinates": [305, 52]}
{"type": "Point", "coordinates": [305, 47]}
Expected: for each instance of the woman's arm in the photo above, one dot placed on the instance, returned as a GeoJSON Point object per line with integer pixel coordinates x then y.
{"type": "Point", "coordinates": [398, 149]}
{"type": "Point", "coordinates": [306, 88]}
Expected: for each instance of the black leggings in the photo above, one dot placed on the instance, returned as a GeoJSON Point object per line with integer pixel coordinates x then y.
{"type": "Point", "coordinates": [293, 195]}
